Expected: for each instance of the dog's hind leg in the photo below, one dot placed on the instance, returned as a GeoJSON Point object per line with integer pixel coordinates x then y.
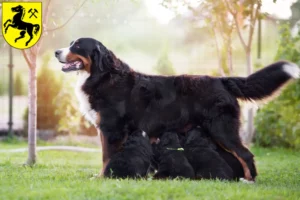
{"type": "Point", "coordinates": [224, 129]}
{"type": "Point", "coordinates": [22, 35]}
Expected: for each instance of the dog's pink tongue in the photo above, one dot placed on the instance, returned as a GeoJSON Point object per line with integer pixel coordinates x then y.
{"type": "Point", "coordinates": [67, 65]}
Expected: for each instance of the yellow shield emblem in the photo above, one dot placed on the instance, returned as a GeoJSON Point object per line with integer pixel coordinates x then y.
{"type": "Point", "coordinates": [21, 23]}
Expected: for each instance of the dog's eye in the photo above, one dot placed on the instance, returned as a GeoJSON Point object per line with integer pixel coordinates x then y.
{"type": "Point", "coordinates": [77, 46]}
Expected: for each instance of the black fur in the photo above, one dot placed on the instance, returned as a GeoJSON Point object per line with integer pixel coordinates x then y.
{"type": "Point", "coordinates": [170, 160]}
{"type": "Point", "coordinates": [234, 164]}
{"type": "Point", "coordinates": [202, 155]}
{"type": "Point", "coordinates": [133, 161]}
{"type": "Point", "coordinates": [157, 104]}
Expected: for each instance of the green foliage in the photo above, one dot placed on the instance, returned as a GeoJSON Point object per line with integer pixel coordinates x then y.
{"type": "Point", "coordinates": [164, 66]}
{"type": "Point", "coordinates": [19, 85]}
{"type": "Point", "coordinates": [278, 123]}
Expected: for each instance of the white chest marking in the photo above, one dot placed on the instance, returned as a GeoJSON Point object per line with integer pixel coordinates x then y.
{"type": "Point", "coordinates": [85, 106]}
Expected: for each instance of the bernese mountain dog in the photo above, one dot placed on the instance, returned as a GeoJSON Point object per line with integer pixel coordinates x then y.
{"type": "Point", "coordinates": [133, 160]}
{"type": "Point", "coordinates": [169, 159]}
{"type": "Point", "coordinates": [111, 94]}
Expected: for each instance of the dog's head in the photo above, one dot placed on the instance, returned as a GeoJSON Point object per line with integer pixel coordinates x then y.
{"type": "Point", "coordinates": [87, 54]}
{"type": "Point", "coordinates": [169, 139]}
{"type": "Point", "coordinates": [197, 138]}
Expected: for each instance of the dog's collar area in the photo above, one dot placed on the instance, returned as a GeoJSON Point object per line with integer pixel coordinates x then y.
{"type": "Point", "coordinates": [175, 149]}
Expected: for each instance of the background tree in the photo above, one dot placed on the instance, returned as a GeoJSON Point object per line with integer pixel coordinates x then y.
{"type": "Point", "coordinates": [243, 12]}
{"type": "Point", "coordinates": [30, 56]}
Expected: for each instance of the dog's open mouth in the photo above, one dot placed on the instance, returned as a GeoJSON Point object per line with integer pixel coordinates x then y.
{"type": "Point", "coordinates": [72, 66]}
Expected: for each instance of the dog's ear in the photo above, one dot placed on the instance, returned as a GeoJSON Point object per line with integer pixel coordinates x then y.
{"type": "Point", "coordinates": [105, 59]}
{"type": "Point", "coordinates": [98, 57]}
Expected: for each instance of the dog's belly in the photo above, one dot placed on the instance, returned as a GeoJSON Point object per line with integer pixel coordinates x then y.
{"type": "Point", "coordinates": [158, 121]}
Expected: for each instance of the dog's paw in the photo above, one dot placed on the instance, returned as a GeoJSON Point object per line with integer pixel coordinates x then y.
{"type": "Point", "coordinates": [246, 181]}
{"type": "Point", "coordinates": [96, 176]}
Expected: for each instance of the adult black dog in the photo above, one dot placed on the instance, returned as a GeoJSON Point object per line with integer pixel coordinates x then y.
{"type": "Point", "coordinates": [170, 159]}
{"type": "Point", "coordinates": [202, 155]}
{"type": "Point", "coordinates": [133, 160]}
{"type": "Point", "coordinates": [109, 89]}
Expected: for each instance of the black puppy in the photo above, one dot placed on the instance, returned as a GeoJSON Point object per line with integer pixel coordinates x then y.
{"type": "Point", "coordinates": [133, 161]}
{"type": "Point", "coordinates": [170, 159]}
{"type": "Point", "coordinates": [202, 155]}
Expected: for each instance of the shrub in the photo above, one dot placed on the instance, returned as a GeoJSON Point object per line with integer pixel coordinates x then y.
{"type": "Point", "coordinates": [164, 65]}
{"type": "Point", "coordinates": [57, 106]}
{"type": "Point", "coordinates": [278, 122]}
{"type": "Point", "coordinates": [19, 85]}
{"type": "Point", "coordinates": [48, 87]}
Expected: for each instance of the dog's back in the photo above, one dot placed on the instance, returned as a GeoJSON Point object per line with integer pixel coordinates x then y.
{"type": "Point", "coordinates": [133, 161]}
{"type": "Point", "coordinates": [172, 162]}
{"type": "Point", "coordinates": [201, 153]}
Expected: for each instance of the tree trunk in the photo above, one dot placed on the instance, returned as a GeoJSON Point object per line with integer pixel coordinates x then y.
{"type": "Point", "coordinates": [229, 56]}
{"type": "Point", "coordinates": [32, 96]}
{"type": "Point", "coordinates": [250, 124]}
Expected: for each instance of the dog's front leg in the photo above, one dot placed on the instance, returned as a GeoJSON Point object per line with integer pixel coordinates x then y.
{"type": "Point", "coordinates": [110, 145]}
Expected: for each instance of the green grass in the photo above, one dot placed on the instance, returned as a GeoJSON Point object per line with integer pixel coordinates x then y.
{"type": "Point", "coordinates": [66, 175]}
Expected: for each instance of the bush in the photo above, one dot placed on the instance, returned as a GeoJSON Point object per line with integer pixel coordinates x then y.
{"type": "Point", "coordinates": [164, 66]}
{"type": "Point", "coordinates": [278, 122]}
{"type": "Point", "coordinates": [57, 106]}
{"type": "Point", "coordinates": [48, 88]}
{"type": "Point", "coordinates": [19, 86]}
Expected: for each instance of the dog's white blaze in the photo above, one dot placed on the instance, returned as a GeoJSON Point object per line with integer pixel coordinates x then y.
{"type": "Point", "coordinates": [85, 106]}
{"type": "Point", "coordinates": [64, 53]}
{"type": "Point", "coordinates": [246, 181]}
{"type": "Point", "coordinates": [292, 70]}
{"type": "Point", "coordinates": [144, 134]}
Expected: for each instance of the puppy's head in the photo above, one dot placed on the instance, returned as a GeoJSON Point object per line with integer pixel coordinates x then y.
{"type": "Point", "coordinates": [86, 54]}
{"type": "Point", "coordinates": [169, 139]}
{"type": "Point", "coordinates": [197, 137]}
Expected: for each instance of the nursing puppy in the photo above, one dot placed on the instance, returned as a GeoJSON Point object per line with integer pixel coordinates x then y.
{"type": "Point", "coordinates": [202, 155]}
{"type": "Point", "coordinates": [170, 159]}
{"type": "Point", "coordinates": [133, 161]}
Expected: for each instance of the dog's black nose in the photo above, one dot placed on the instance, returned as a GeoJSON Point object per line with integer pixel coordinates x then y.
{"type": "Point", "coordinates": [57, 53]}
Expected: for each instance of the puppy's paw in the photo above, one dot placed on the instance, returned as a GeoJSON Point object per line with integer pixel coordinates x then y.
{"type": "Point", "coordinates": [246, 181]}
{"type": "Point", "coordinates": [96, 176]}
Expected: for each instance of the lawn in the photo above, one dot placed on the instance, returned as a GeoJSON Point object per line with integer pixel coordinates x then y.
{"type": "Point", "coordinates": [66, 175]}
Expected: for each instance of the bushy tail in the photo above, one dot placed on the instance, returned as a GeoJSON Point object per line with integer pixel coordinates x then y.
{"type": "Point", "coordinates": [37, 28]}
{"type": "Point", "coordinates": [262, 83]}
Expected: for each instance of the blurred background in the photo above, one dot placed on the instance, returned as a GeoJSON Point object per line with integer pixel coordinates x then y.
{"type": "Point", "coordinates": [155, 37]}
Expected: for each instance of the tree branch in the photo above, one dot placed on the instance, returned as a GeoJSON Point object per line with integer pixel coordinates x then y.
{"type": "Point", "coordinates": [45, 18]}
{"type": "Point", "coordinates": [26, 58]}
{"type": "Point", "coordinates": [234, 15]}
{"type": "Point", "coordinates": [252, 24]}
{"type": "Point", "coordinates": [221, 71]}
{"type": "Point", "coordinates": [229, 8]}
{"type": "Point", "coordinates": [61, 26]}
